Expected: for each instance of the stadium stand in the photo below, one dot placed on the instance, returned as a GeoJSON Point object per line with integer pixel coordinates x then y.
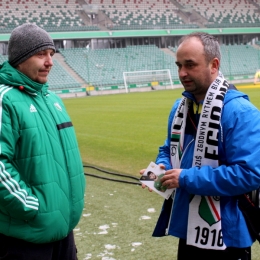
{"type": "Point", "coordinates": [148, 14]}
{"type": "Point", "coordinates": [58, 15]}
{"type": "Point", "coordinates": [239, 59]}
{"type": "Point", "coordinates": [98, 66]}
{"type": "Point", "coordinates": [152, 14]}
{"type": "Point", "coordinates": [59, 78]}
{"type": "Point", "coordinates": [226, 13]}
{"type": "Point", "coordinates": [106, 66]}
{"type": "Point", "coordinates": [69, 15]}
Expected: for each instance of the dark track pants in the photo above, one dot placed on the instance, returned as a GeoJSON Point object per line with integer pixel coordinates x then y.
{"type": "Point", "coordinates": [16, 249]}
{"type": "Point", "coordinates": [186, 252]}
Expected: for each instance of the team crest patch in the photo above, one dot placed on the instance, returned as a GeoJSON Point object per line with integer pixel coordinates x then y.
{"type": "Point", "coordinates": [57, 105]}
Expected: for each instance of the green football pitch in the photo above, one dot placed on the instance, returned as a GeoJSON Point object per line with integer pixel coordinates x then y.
{"type": "Point", "coordinates": [121, 133]}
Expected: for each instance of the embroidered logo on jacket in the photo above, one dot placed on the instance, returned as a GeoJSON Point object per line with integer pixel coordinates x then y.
{"type": "Point", "coordinates": [57, 105]}
{"type": "Point", "coordinates": [32, 108]}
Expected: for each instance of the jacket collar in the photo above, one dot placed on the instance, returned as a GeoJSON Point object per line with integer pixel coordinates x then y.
{"type": "Point", "coordinates": [231, 94]}
{"type": "Point", "coordinates": [11, 76]}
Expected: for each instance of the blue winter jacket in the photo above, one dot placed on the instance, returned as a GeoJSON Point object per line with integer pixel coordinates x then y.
{"type": "Point", "coordinates": [238, 173]}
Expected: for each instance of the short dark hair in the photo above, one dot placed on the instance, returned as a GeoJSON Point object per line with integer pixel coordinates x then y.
{"type": "Point", "coordinates": [149, 173]}
{"type": "Point", "coordinates": [209, 42]}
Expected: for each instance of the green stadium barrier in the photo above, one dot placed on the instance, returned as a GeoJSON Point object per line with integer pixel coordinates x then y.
{"type": "Point", "coordinates": [65, 91]}
{"type": "Point", "coordinates": [240, 77]}
{"type": "Point", "coordinates": [140, 85]}
{"type": "Point", "coordinates": [149, 84]}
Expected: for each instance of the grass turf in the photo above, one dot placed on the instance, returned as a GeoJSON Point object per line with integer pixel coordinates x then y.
{"type": "Point", "coordinates": [122, 133]}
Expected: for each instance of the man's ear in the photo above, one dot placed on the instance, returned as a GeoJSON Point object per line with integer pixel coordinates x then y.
{"type": "Point", "coordinates": [215, 65]}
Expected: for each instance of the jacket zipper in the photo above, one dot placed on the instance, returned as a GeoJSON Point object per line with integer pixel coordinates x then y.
{"type": "Point", "coordinates": [168, 226]}
{"type": "Point", "coordinates": [173, 195]}
{"type": "Point", "coordinates": [44, 96]}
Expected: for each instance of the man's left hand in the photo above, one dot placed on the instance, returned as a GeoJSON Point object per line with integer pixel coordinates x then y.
{"type": "Point", "coordinates": [171, 178]}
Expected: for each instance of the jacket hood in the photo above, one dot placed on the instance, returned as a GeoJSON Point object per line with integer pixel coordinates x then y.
{"type": "Point", "coordinates": [13, 77]}
{"type": "Point", "coordinates": [233, 93]}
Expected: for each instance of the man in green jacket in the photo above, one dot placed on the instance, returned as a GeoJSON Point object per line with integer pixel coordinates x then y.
{"type": "Point", "coordinates": [42, 181]}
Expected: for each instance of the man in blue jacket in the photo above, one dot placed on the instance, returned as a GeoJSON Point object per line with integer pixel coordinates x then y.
{"type": "Point", "coordinates": [211, 155]}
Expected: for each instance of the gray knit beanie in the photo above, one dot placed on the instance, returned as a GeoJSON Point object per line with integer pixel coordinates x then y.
{"type": "Point", "coordinates": [25, 41]}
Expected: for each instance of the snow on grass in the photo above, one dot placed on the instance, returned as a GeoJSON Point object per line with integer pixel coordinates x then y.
{"type": "Point", "coordinates": [104, 229]}
{"type": "Point", "coordinates": [88, 256]}
{"type": "Point", "coordinates": [106, 254]}
{"type": "Point", "coordinates": [144, 217]}
{"type": "Point", "coordinates": [109, 247]}
{"type": "Point", "coordinates": [135, 244]}
{"type": "Point", "coordinates": [76, 232]}
{"type": "Point", "coordinates": [86, 215]}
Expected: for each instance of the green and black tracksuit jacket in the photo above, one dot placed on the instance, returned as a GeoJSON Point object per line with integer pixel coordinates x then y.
{"type": "Point", "coordinates": [42, 181]}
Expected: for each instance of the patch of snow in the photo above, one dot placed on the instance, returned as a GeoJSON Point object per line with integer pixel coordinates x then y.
{"type": "Point", "coordinates": [104, 228]}
{"type": "Point", "coordinates": [109, 247]}
{"type": "Point", "coordinates": [88, 256]}
{"type": "Point", "coordinates": [86, 215]}
{"type": "Point", "coordinates": [102, 232]}
{"type": "Point", "coordinates": [145, 217]}
{"type": "Point", "coordinates": [135, 244]}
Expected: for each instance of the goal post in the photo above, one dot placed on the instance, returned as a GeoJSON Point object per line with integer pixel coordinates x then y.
{"type": "Point", "coordinates": [148, 78]}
